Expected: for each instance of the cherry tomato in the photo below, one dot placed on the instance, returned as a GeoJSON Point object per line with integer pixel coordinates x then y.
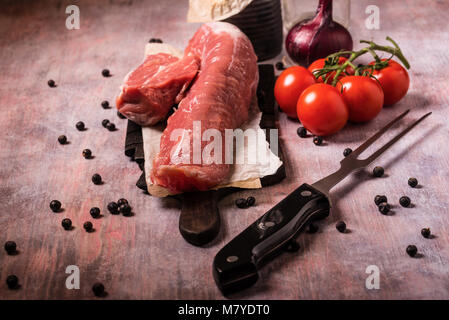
{"type": "Point", "coordinates": [363, 96]}
{"type": "Point", "coordinates": [322, 109]}
{"type": "Point", "coordinates": [289, 86]}
{"type": "Point", "coordinates": [394, 80]}
{"type": "Point", "coordinates": [319, 64]}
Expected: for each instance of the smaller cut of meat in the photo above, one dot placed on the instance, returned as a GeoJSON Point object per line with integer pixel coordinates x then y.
{"type": "Point", "coordinates": [155, 86]}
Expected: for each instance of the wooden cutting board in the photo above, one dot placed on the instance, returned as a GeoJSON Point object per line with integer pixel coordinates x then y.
{"type": "Point", "coordinates": [199, 221]}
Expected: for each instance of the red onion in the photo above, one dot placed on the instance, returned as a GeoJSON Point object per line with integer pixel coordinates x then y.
{"type": "Point", "coordinates": [316, 38]}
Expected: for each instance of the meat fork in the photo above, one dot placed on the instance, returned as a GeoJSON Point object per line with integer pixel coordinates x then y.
{"type": "Point", "coordinates": [235, 265]}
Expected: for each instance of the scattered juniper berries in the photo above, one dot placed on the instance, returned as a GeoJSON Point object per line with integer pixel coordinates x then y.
{"type": "Point", "coordinates": [87, 154]}
{"type": "Point", "coordinates": [96, 178]}
{"type": "Point", "coordinates": [347, 152]}
{"type": "Point", "coordinates": [98, 289]}
{"type": "Point", "coordinates": [302, 132]}
{"type": "Point", "coordinates": [384, 208]}
{"type": "Point", "coordinates": [88, 226]}
{"type": "Point", "coordinates": [379, 199]}
{"type": "Point", "coordinates": [378, 171]}
{"type": "Point", "coordinates": [62, 139]}
{"type": "Point", "coordinates": [241, 203]}
{"type": "Point", "coordinates": [55, 205]}
{"type": "Point", "coordinates": [10, 247]}
{"type": "Point", "coordinates": [317, 140]}
{"type": "Point", "coordinates": [95, 212]}
{"type": "Point", "coordinates": [412, 182]}
{"type": "Point", "coordinates": [125, 209]}
{"type": "Point", "coordinates": [113, 208]}
{"type": "Point", "coordinates": [105, 104]}
{"type": "Point", "coordinates": [404, 201]}
{"type": "Point", "coordinates": [66, 223]}
{"type": "Point", "coordinates": [341, 226]}
{"type": "Point", "coordinates": [12, 281]}
{"type": "Point", "coordinates": [110, 126]}
{"type": "Point", "coordinates": [411, 250]}
{"type": "Point", "coordinates": [425, 232]}
{"type": "Point", "coordinates": [280, 65]}
{"type": "Point", "coordinates": [80, 126]}
{"type": "Point", "coordinates": [250, 201]}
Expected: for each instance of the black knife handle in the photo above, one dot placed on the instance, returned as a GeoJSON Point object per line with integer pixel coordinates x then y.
{"type": "Point", "coordinates": [235, 266]}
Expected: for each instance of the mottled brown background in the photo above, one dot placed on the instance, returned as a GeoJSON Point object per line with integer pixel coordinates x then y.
{"type": "Point", "coordinates": [144, 256]}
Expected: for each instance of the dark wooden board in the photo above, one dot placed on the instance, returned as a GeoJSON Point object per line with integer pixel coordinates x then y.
{"type": "Point", "coordinates": [199, 221]}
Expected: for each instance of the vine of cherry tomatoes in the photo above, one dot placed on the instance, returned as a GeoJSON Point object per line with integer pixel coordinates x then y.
{"type": "Point", "coordinates": [332, 90]}
{"type": "Point", "coordinates": [324, 109]}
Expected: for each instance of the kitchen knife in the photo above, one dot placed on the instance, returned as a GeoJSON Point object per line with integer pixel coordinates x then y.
{"type": "Point", "coordinates": [235, 266]}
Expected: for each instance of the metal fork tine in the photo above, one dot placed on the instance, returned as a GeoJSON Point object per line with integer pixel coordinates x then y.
{"type": "Point", "coordinates": [351, 163]}
{"type": "Point", "coordinates": [392, 141]}
{"type": "Point", "coordinates": [379, 133]}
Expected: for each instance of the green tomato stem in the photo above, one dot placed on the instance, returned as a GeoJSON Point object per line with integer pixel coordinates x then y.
{"type": "Point", "coordinates": [371, 48]}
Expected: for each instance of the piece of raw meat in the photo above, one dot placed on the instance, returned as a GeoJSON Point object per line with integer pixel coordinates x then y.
{"type": "Point", "coordinates": [219, 98]}
{"type": "Point", "coordinates": [155, 86]}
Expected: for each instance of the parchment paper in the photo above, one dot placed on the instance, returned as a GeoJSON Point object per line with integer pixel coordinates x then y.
{"type": "Point", "coordinates": [243, 175]}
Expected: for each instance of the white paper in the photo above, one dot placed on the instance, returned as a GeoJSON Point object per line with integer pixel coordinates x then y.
{"type": "Point", "coordinates": [214, 10]}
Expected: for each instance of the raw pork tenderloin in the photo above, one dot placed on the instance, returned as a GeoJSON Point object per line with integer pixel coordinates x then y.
{"type": "Point", "coordinates": [219, 98]}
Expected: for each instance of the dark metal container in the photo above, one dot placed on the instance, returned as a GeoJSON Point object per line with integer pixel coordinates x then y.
{"type": "Point", "coordinates": [261, 21]}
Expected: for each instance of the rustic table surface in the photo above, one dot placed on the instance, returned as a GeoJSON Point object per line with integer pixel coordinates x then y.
{"type": "Point", "coordinates": [144, 256]}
